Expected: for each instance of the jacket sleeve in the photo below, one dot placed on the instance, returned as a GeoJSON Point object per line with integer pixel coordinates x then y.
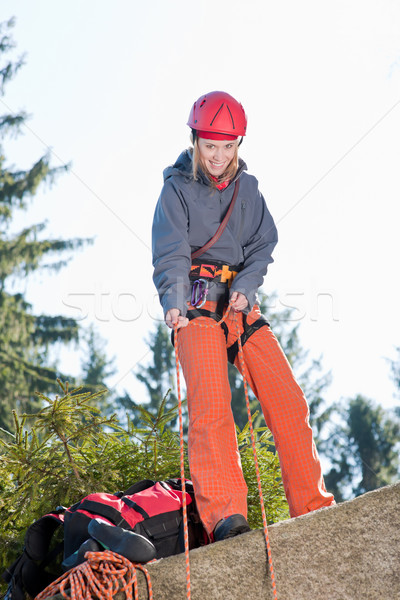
{"type": "Point", "coordinates": [171, 249]}
{"type": "Point", "coordinates": [257, 250]}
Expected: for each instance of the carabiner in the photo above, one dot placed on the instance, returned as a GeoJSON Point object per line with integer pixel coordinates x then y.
{"type": "Point", "coordinates": [199, 293]}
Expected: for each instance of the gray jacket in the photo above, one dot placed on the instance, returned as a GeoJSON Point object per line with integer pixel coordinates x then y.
{"type": "Point", "coordinates": [188, 214]}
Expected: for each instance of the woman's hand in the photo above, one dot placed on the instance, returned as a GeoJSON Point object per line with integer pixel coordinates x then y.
{"type": "Point", "coordinates": [239, 301]}
{"type": "Point", "coordinates": [173, 317]}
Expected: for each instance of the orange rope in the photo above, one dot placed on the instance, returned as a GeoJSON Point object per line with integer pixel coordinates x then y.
{"type": "Point", "coordinates": [184, 508]}
{"type": "Point", "coordinates": [244, 372]}
{"type": "Point", "coordinates": [102, 576]}
{"type": "Point", "coordinates": [182, 455]}
{"type": "Point", "coordinates": [253, 442]}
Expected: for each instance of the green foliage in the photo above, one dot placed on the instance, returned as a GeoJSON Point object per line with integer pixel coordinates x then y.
{"type": "Point", "coordinates": [158, 376]}
{"type": "Point", "coordinates": [96, 367]}
{"type": "Point", "coordinates": [275, 503]}
{"type": "Point", "coordinates": [362, 447]}
{"type": "Point", "coordinates": [67, 450]}
{"type": "Point", "coordinates": [8, 70]}
{"type": "Point", "coordinates": [395, 373]}
{"type": "Point", "coordinates": [25, 338]}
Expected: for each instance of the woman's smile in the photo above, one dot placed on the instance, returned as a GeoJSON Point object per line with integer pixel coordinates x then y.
{"type": "Point", "coordinates": [216, 166]}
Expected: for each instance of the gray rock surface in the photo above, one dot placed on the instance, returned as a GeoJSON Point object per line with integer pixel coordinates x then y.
{"type": "Point", "coordinates": [347, 552]}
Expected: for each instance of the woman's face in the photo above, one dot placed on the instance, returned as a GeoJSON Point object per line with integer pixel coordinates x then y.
{"type": "Point", "coordinates": [216, 155]}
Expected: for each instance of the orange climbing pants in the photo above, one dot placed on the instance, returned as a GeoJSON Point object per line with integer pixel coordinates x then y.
{"type": "Point", "coordinates": [214, 459]}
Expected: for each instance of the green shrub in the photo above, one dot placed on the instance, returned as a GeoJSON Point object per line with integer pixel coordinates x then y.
{"type": "Point", "coordinates": [68, 450]}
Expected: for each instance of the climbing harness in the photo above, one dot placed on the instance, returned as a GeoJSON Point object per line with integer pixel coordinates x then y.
{"type": "Point", "coordinates": [245, 378]}
{"type": "Point", "coordinates": [215, 271]}
{"type": "Point", "coordinates": [248, 330]}
{"type": "Point", "coordinates": [101, 576]}
{"type": "Point", "coordinates": [220, 294]}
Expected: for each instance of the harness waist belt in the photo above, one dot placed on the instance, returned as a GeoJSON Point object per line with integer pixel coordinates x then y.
{"type": "Point", "coordinates": [217, 272]}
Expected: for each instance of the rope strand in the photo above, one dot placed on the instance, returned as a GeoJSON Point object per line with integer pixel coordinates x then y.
{"type": "Point", "coordinates": [102, 576]}
{"type": "Point", "coordinates": [253, 443]}
{"type": "Point", "coordinates": [182, 458]}
{"type": "Point", "coordinates": [196, 323]}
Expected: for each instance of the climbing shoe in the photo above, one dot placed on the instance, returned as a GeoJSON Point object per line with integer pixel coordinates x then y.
{"type": "Point", "coordinates": [78, 557]}
{"type": "Point", "coordinates": [133, 546]}
{"type": "Point", "coordinates": [230, 526]}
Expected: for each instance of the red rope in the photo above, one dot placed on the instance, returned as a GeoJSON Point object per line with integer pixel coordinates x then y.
{"type": "Point", "coordinates": [101, 576]}
{"type": "Point", "coordinates": [244, 374]}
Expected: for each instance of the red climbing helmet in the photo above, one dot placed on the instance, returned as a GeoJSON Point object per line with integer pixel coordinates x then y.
{"type": "Point", "coordinates": [218, 114]}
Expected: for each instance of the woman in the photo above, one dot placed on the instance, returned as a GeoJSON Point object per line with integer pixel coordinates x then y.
{"type": "Point", "coordinates": [205, 183]}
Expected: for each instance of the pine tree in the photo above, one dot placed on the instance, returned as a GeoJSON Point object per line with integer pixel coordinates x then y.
{"type": "Point", "coordinates": [395, 374]}
{"type": "Point", "coordinates": [308, 372]}
{"type": "Point", "coordinates": [96, 369]}
{"type": "Point", "coordinates": [362, 448]}
{"type": "Point", "coordinates": [159, 376]}
{"type": "Point", "coordinates": [25, 338]}
{"type": "Point", "coordinates": [68, 449]}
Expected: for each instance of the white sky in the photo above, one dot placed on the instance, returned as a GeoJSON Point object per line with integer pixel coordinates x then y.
{"type": "Point", "coordinates": [109, 87]}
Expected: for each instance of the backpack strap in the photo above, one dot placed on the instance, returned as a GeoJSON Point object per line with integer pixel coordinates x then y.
{"type": "Point", "coordinates": [28, 573]}
{"type": "Point", "coordinates": [98, 509]}
{"type": "Point", "coordinates": [137, 487]}
{"type": "Point", "coordinates": [132, 504]}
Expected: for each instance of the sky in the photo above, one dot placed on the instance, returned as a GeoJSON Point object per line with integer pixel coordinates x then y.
{"type": "Point", "coordinates": [109, 86]}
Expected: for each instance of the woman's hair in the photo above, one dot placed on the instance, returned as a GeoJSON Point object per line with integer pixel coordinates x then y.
{"type": "Point", "coordinates": [228, 174]}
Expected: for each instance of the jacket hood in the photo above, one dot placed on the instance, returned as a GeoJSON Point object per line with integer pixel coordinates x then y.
{"type": "Point", "coordinates": [183, 167]}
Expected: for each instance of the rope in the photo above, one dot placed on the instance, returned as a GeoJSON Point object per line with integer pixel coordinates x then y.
{"type": "Point", "coordinates": [182, 456]}
{"type": "Point", "coordinates": [244, 375]}
{"type": "Point", "coordinates": [101, 576]}
{"type": "Point", "coordinates": [253, 443]}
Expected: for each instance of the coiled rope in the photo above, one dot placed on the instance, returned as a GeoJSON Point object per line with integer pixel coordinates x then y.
{"type": "Point", "coordinates": [196, 323]}
{"type": "Point", "coordinates": [101, 576]}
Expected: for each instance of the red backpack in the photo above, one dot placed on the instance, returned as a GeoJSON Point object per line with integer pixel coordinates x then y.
{"type": "Point", "coordinates": [149, 508]}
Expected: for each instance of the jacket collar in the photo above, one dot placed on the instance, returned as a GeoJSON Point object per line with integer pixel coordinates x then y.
{"type": "Point", "coordinates": [183, 167]}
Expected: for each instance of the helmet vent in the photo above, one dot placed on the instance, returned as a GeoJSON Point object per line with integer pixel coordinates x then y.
{"type": "Point", "coordinates": [216, 114]}
{"type": "Point", "coordinates": [233, 122]}
{"type": "Point", "coordinates": [203, 102]}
